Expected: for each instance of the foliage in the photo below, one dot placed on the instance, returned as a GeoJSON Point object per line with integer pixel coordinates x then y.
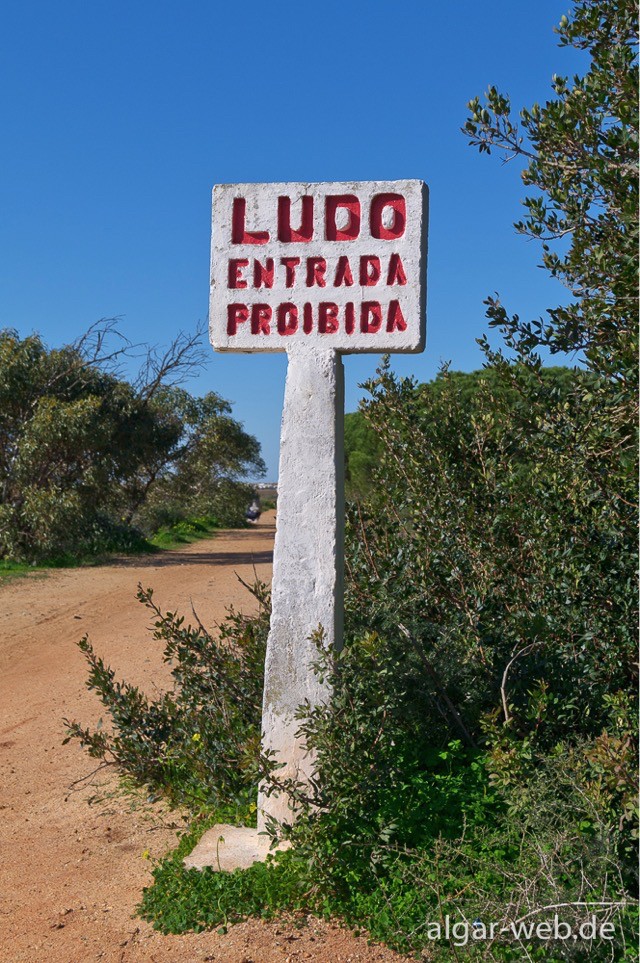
{"type": "Point", "coordinates": [184, 532]}
{"type": "Point", "coordinates": [183, 900]}
{"type": "Point", "coordinates": [363, 444]}
{"type": "Point", "coordinates": [397, 833]}
{"type": "Point", "coordinates": [88, 458]}
{"type": "Point", "coordinates": [582, 153]}
{"type": "Point", "coordinates": [361, 452]}
{"type": "Point", "coordinates": [198, 743]}
{"type": "Point", "coordinates": [59, 421]}
{"type": "Point", "coordinates": [473, 856]}
{"type": "Point", "coordinates": [489, 542]}
{"type": "Point", "coordinates": [212, 454]}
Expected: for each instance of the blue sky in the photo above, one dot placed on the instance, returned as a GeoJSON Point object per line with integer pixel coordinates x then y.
{"type": "Point", "coordinates": [117, 119]}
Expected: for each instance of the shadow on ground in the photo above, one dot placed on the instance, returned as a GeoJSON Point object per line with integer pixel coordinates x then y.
{"type": "Point", "coordinates": [193, 555]}
{"type": "Point", "coordinates": [197, 558]}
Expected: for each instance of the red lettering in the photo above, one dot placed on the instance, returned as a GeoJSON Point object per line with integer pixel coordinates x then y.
{"type": "Point", "coordinates": [263, 275]}
{"type": "Point", "coordinates": [395, 317]}
{"type": "Point", "coordinates": [285, 231]}
{"type": "Point", "coordinates": [396, 273]}
{"type": "Point", "coordinates": [235, 272]}
{"type": "Point", "coordinates": [316, 267]}
{"type": "Point", "coordinates": [370, 317]}
{"type": "Point", "coordinates": [287, 319]}
{"type": "Point", "coordinates": [307, 322]}
{"type": "Point", "coordinates": [236, 314]}
{"type": "Point", "coordinates": [398, 205]}
{"type": "Point", "coordinates": [369, 270]}
{"type": "Point", "coordinates": [349, 317]}
{"type": "Point", "coordinates": [239, 234]}
{"type": "Point", "coordinates": [348, 202]}
{"type": "Point", "coordinates": [327, 317]}
{"type": "Point", "coordinates": [343, 272]}
{"type": "Point", "coordinates": [260, 318]}
{"type": "Point", "coordinates": [290, 264]}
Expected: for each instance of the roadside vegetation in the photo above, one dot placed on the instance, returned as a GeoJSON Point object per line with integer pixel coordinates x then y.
{"type": "Point", "coordinates": [478, 760]}
{"type": "Point", "coordinates": [92, 463]}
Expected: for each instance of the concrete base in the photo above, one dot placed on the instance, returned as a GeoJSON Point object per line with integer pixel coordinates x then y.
{"type": "Point", "coordinates": [225, 848]}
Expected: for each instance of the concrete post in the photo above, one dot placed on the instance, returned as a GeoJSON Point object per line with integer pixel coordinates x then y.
{"type": "Point", "coordinates": [308, 556]}
{"type": "Point", "coordinates": [316, 270]}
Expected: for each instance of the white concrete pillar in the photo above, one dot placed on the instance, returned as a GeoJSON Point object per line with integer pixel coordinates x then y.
{"type": "Point", "coordinates": [308, 555]}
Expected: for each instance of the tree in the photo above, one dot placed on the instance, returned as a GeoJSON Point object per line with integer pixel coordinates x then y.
{"type": "Point", "coordinates": [581, 150]}
{"type": "Point", "coordinates": [81, 448]}
{"type": "Point", "coordinates": [62, 421]}
{"type": "Point", "coordinates": [582, 154]}
{"type": "Point", "coordinates": [204, 472]}
{"type": "Point", "coordinates": [503, 526]}
{"type": "Point", "coordinates": [363, 449]}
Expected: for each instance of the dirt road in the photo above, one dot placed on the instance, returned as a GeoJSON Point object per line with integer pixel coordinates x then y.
{"type": "Point", "coordinates": [72, 869]}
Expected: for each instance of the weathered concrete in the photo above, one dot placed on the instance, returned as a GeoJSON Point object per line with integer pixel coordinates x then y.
{"type": "Point", "coordinates": [334, 264]}
{"type": "Point", "coordinates": [225, 848]}
{"type": "Point", "coordinates": [308, 556]}
{"type": "Point", "coordinates": [317, 270]}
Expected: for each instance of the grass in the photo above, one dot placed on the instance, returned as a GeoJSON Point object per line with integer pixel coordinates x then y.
{"type": "Point", "coordinates": [9, 569]}
{"type": "Point", "coordinates": [184, 532]}
{"type": "Point", "coordinates": [189, 900]}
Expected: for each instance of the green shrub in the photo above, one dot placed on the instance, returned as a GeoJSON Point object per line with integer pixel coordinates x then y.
{"type": "Point", "coordinates": [197, 744]}
{"type": "Point", "coordinates": [401, 826]}
{"type": "Point", "coordinates": [185, 531]}
{"type": "Point", "coordinates": [397, 832]}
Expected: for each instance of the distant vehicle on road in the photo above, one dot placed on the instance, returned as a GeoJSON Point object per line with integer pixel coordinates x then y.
{"type": "Point", "coordinates": [253, 511]}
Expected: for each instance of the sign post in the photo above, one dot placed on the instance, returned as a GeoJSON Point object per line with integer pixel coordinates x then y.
{"type": "Point", "coordinates": [308, 556]}
{"type": "Point", "coordinates": [316, 270]}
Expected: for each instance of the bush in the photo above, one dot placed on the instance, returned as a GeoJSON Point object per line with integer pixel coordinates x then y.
{"type": "Point", "coordinates": [397, 832]}
{"type": "Point", "coordinates": [401, 826]}
{"type": "Point", "coordinates": [184, 531]}
{"type": "Point", "coordinates": [198, 744]}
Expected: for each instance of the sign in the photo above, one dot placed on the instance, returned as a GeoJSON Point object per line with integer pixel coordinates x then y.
{"type": "Point", "coordinates": [316, 270]}
{"type": "Point", "coordinates": [339, 265]}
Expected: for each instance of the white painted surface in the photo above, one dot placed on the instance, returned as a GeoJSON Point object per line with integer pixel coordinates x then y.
{"type": "Point", "coordinates": [308, 555]}
{"type": "Point", "coordinates": [399, 291]}
{"type": "Point", "coordinates": [225, 848]}
{"type": "Point", "coordinates": [290, 266]}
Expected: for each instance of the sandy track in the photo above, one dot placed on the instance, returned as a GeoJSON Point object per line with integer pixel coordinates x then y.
{"type": "Point", "coordinates": [72, 870]}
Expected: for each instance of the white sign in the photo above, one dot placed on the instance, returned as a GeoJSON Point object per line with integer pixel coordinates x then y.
{"type": "Point", "coordinates": [316, 270]}
{"type": "Point", "coordinates": [340, 265]}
